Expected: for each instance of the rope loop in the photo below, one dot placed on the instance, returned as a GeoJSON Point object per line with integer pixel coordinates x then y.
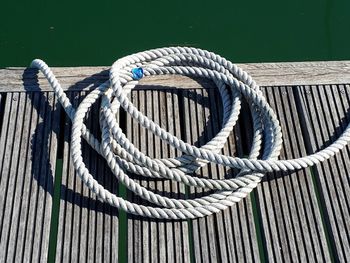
{"type": "Point", "coordinates": [122, 156]}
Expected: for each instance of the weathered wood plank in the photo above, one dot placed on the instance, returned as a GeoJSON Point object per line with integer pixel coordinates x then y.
{"type": "Point", "coordinates": [31, 135]}
{"type": "Point", "coordinates": [156, 240]}
{"type": "Point", "coordinates": [64, 227]}
{"type": "Point", "coordinates": [219, 237]}
{"type": "Point", "coordinates": [34, 135]}
{"type": "Point", "coordinates": [134, 226]}
{"type": "Point", "coordinates": [289, 210]}
{"type": "Point", "coordinates": [88, 229]}
{"type": "Point", "coordinates": [194, 128]}
{"type": "Point", "coordinates": [326, 116]}
{"type": "Point", "coordinates": [16, 234]}
{"type": "Point", "coordinates": [18, 105]}
{"type": "Point", "coordinates": [2, 108]}
{"type": "Point", "coordinates": [5, 152]}
{"type": "Point", "coordinates": [265, 74]}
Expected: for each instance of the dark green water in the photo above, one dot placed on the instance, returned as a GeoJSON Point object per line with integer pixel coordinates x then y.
{"type": "Point", "coordinates": [68, 33]}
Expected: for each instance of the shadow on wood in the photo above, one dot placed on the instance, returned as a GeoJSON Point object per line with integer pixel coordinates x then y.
{"type": "Point", "coordinates": [40, 142]}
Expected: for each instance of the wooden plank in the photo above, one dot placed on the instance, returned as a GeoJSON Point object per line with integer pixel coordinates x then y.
{"type": "Point", "coordinates": [326, 116]}
{"type": "Point", "coordinates": [22, 163]}
{"type": "Point", "coordinates": [229, 236]}
{"type": "Point", "coordinates": [134, 226]}
{"type": "Point", "coordinates": [193, 126]}
{"type": "Point", "coordinates": [265, 74]}
{"type": "Point", "coordinates": [157, 240]}
{"type": "Point", "coordinates": [289, 210]}
{"type": "Point", "coordinates": [88, 229]}
{"type": "Point", "coordinates": [2, 109]}
{"type": "Point", "coordinates": [9, 171]}
{"type": "Point", "coordinates": [5, 150]}
{"type": "Point", "coordinates": [31, 135]}
{"type": "Point", "coordinates": [44, 168]}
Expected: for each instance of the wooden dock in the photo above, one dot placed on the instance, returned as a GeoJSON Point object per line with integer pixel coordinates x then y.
{"type": "Point", "coordinates": [47, 214]}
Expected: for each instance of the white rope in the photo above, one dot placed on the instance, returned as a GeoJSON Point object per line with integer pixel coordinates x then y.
{"type": "Point", "coordinates": [121, 155]}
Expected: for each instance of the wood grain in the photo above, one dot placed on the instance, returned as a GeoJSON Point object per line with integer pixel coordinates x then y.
{"type": "Point", "coordinates": [265, 74]}
{"type": "Point", "coordinates": [287, 202]}
{"type": "Point", "coordinates": [157, 240]}
{"type": "Point", "coordinates": [28, 157]}
{"type": "Point", "coordinates": [229, 236]}
{"type": "Point", "coordinates": [326, 116]}
{"type": "Point", "coordinates": [88, 228]}
{"type": "Point", "coordinates": [301, 216]}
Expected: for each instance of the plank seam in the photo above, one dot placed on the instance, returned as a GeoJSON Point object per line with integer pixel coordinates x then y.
{"type": "Point", "coordinates": [123, 233]}
{"type": "Point", "coordinates": [55, 209]}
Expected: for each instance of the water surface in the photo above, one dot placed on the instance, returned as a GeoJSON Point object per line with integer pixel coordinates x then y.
{"type": "Point", "coordinates": [71, 33]}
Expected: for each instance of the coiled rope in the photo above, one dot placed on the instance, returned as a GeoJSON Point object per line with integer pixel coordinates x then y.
{"type": "Point", "coordinates": [121, 155]}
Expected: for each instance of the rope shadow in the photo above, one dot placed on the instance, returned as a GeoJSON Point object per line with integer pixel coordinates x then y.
{"type": "Point", "coordinates": [30, 82]}
{"type": "Point", "coordinates": [40, 142]}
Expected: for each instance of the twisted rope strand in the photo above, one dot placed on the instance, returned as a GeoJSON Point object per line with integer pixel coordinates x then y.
{"type": "Point", "coordinates": [122, 156]}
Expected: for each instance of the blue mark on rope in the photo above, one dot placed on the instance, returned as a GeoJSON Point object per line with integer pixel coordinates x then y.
{"type": "Point", "coordinates": [137, 73]}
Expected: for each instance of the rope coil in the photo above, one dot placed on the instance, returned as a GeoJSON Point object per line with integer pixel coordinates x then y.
{"type": "Point", "coordinates": [122, 156]}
